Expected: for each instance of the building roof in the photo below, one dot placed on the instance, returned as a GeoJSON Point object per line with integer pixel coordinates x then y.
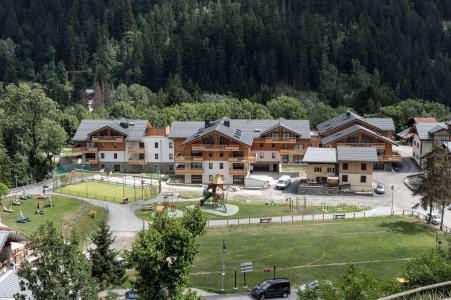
{"type": "Point", "coordinates": [350, 130]}
{"type": "Point", "coordinates": [367, 154]}
{"type": "Point", "coordinates": [241, 130]}
{"type": "Point", "coordinates": [405, 133]}
{"type": "Point", "coordinates": [425, 130]}
{"type": "Point", "coordinates": [133, 133]}
{"type": "Point", "coordinates": [320, 155]}
{"type": "Point", "coordinates": [385, 124]}
{"type": "Point", "coordinates": [9, 286]}
{"type": "Point", "coordinates": [424, 120]}
{"type": "Point", "coordinates": [5, 235]}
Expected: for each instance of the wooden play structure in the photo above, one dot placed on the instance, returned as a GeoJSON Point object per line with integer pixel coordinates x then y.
{"type": "Point", "coordinates": [215, 191]}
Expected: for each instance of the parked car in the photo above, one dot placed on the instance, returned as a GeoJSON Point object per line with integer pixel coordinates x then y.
{"type": "Point", "coordinates": [448, 207]}
{"type": "Point", "coordinates": [131, 294]}
{"type": "Point", "coordinates": [313, 285]}
{"type": "Point", "coordinates": [273, 288]}
{"type": "Point", "coordinates": [380, 189]}
{"type": "Point", "coordinates": [283, 182]}
{"type": "Point", "coordinates": [435, 219]}
{"type": "Point", "coordinates": [45, 186]}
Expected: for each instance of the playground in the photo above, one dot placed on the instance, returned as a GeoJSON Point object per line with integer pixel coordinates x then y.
{"type": "Point", "coordinates": [310, 250]}
{"type": "Point", "coordinates": [66, 213]}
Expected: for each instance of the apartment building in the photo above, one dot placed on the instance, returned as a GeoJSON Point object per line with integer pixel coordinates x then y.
{"type": "Point", "coordinates": [234, 148]}
{"type": "Point", "coordinates": [351, 167]}
{"type": "Point", "coordinates": [426, 136]}
{"type": "Point", "coordinates": [124, 146]}
{"type": "Point", "coordinates": [349, 129]}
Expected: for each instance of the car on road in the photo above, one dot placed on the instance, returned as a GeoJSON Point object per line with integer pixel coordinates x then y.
{"type": "Point", "coordinates": [448, 207]}
{"type": "Point", "coordinates": [273, 288]}
{"type": "Point", "coordinates": [131, 294]}
{"type": "Point", "coordinates": [434, 219]}
{"type": "Point", "coordinates": [313, 285]}
{"type": "Point", "coordinates": [380, 189]}
{"type": "Point", "coordinates": [283, 182]}
{"type": "Point", "coordinates": [45, 186]}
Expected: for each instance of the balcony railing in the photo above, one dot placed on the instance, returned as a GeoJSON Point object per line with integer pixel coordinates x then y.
{"type": "Point", "coordinates": [280, 139]}
{"type": "Point", "coordinates": [92, 161]}
{"type": "Point", "coordinates": [214, 147]}
{"type": "Point", "coordinates": [181, 158]}
{"type": "Point", "coordinates": [86, 149]}
{"type": "Point", "coordinates": [107, 138]}
{"type": "Point", "coordinates": [136, 150]}
{"type": "Point", "coordinates": [238, 171]}
{"type": "Point", "coordinates": [374, 145]}
{"type": "Point", "coordinates": [243, 159]}
{"type": "Point", "coordinates": [189, 170]}
{"type": "Point", "coordinates": [292, 151]}
{"type": "Point", "coordinates": [393, 157]}
{"type": "Point", "coordinates": [137, 161]}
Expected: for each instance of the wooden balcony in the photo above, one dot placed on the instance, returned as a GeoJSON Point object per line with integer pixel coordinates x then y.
{"type": "Point", "coordinates": [243, 159]}
{"type": "Point", "coordinates": [196, 171]}
{"type": "Point", "coordinates": [85, 149]}
{"type": "Point", "coordinates": [292, 151]}
{"type": "Point", "coordinates": [140, 162]}
{"type": "Point", "coordinates": [374, 145]}
{"type": "Point", "coordinates": [107, 139]}
{"type": "Point", "coordinates": [92, 161]}
{"type": "Point", "coordinates": [387, 158]}
{"type": "Point", "coordinates": [136, 150]}
{"type": "Point", "coordinates": [181, 158]}
{"type": "Point", "coordinates": [280, 139]}
{"type": "Point", "coordinates": [214, 147]}
{"type": "Point", "coordinates": [238, 171]}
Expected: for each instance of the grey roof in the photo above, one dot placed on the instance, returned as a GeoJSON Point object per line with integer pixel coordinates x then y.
{"type": "Point", "coordinates": [249, 129]}
{"type": "Point", "coordinates": [133, 133]}
{"type": "Point", "coordinates": [356, 154]}
{"type": "Point", "coordinates": [6, 234]}
{"type": "Point", "coordinates": [425, 130]}
{"type": "Point", "coordinates": [9, 286]}
{"type": "Point", "coordinates": [320, 155]}
{"type": "Point", "coordinates": [350, 130]}
{"type": "Point", "coordinates": [403, 133]}
{"type": "Point", "coordinates": [385, 124]}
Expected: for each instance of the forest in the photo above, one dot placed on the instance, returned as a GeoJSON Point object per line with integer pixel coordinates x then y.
{"type": "Point", "coordinates": [166, 60]}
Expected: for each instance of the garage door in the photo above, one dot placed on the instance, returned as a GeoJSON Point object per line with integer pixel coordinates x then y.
{"type": "Point", "coordinates": [261, 167]}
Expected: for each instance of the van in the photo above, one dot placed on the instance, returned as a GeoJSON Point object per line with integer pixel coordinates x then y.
{"type": "Point", "coordinates": [283, 182]}
{"type": "Point", "coordinates": [273, 288]}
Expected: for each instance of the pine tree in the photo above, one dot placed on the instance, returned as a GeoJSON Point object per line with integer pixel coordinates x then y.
{"type": "Point", "coordinates": [105, 267]}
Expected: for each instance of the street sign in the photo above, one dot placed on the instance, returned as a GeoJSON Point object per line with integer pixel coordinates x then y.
{"type": "Point", "coordinates": [246, 267]}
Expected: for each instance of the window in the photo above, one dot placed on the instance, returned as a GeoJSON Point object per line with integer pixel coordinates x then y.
{"type": "Point", "coordinates": [223, 141]}
{"type": "Point", "coordinates": [285, 159]}
{"type": "Point", "coordinates": [114, 145]}
{"type": "Point", "coordinates": [261, 145]}
{"type": "Point", "coordinates": [362, 179]}
{"type": "Point", "coordinates": [210, 165]}
{"type": "Point", "coordinates": [156, 155]}
{"type": "Point", "coordinates": [298, 147]}
{"type": "Point", "coordinates": [171, 156]}
{"type": "Point", "coordinates": [171, 145]}
{"type": "Point", "coordinates": [318, 169]}
{"type": "Point", "coordinates": [115, 155]}
{"type": "Point", "coordinates": [210, 177]}
{"type": "Point", "coordinates": [345, 166]}
{"type": "Point", "coordinates": [101, 145]}
{"type": "Point", "coordinates": [238, 179]}
{"type": "Point", "coordinates": [156, 167]}
{"type": "Point", "coordinates": [196, 178]}
{"type": "Point", "coordinates": [330, 170]}
{"type": "Point", "coordinates": [297, 158]}
{"type": "Point", "coordinates": [262, 154]}
{"type": "Point", "coordinates": [221, 154]}
{"type": "Point", "coordinates": [353, 139]}
{"type": "Point", "coordinates": [102, 155]}
{"type": "Point", "coordinates": [141, 156]}
{"type": "Point", "coordinates": [156, 145]}
{"type": "Point", "coordinates": [221, 166]}
{"type": "Point", "coordinates": [141, 145]}
{"type": "Point", "coordinates": [273, 145]}
{"type": "Point", "coordinates": [117, 168]}
{"type": "Point", "coordinates": [171, 167]}
{"type": "Point", "coordinates": [344, 178]}
{"type": "Point", "coordinates": [210, 154]}
{"type": "Point", "coordinates": [285, 146]}
{"type": "Point", "coordinates": [363, 167]}
{"type": "Point", "coordinates": [273, 155]}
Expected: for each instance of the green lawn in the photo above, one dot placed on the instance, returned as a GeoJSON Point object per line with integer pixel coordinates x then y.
{"type": "Point", "coordinates": [68, 214]}
{"type": "Point", "coordinates": [105, 191]}
{"type": "Point", "coordinates": [306, 251]}
{"type": "Point", "coordinates": [256, 210]}
{"type": "Point", "coordinates": [190, 195]}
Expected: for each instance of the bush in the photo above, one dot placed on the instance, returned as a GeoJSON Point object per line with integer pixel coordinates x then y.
{"type": "Point", "coordinates": [92, 214]}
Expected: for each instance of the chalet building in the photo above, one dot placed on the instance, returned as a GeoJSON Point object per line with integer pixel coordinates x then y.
{"type": "Point", "coordinates": [407, 135]}
{"type": "Point", "coordinates": [349, 129]}
{"type": "Point", "coordinates": [124, 146]}
{"type": "Point", "coordinates": [426, 136]}
{"type": "Point", "coordinates": [351, 168]}
{"type": "Point", "coordinates": [235, 148]}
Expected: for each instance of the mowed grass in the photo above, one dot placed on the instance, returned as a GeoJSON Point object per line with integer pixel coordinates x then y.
{"type": "Point", "coordinates": [306, 251]}
{"type": "Point", "coordinates": [105, 191]}
{"type": "Point", "coordinates": [259, 209]}
{"type": "Point", "coordinates": [68, 214]}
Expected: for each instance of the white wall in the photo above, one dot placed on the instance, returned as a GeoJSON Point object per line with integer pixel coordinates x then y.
{"type": "Point", "coordinates": [228, 179]}
{"type": "Point", "coordinates": [109, 156]}
{"type": "Point", "coordinates": [420, 148]}
{"type": "Point", "coordinates": [356, 185]}
{"type": "Point", "coordinates": [163, 149]}
{"type": "Point", "coordinates": [267, 156]}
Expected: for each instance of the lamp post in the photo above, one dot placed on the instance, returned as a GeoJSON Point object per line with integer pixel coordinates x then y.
{"type": "Point", "coordinates": [392, 191]}
{"type": "Point", "coordinates": [223, 266]}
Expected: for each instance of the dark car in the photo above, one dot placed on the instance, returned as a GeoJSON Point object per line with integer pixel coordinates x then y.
{"type": "Point", "coordinates": [273, 288]}
{"type": "Point", "coordinates": [131, 294]}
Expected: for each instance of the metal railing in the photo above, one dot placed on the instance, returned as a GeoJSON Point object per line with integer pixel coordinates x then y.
{"type": "Point", "coordinates": [416, 293]}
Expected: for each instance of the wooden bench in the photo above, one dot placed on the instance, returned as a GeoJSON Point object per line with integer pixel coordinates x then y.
{"type": "Point", "coordinates": [339, 216]}
{"type": "Point", "coordinates": [265, 220]}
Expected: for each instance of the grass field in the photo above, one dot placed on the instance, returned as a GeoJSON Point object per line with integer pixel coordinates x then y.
{"type": "Point", "coordinates": [67, 214]}
{"type": "Point", "coordinates": [255, 210]}
{"type": "Point", "coordinates": [104, 191]}
{"type": "Point", "coordinates": [307, 251]}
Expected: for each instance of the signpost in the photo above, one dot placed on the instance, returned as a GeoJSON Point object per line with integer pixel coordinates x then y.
{"type": "Point", "coordinates": [246, 267]}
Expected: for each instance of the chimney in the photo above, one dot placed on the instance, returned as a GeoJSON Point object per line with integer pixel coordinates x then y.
{"type": "Point", "coordinates": [227, 123]}
{"type": "Point", "coordinates": [207, 123]}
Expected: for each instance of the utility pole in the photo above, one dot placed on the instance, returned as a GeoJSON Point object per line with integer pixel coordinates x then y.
{"type": "Point", "coordinates": [392, 192]}
{"type": "Point", "coordinates": [223, 266]}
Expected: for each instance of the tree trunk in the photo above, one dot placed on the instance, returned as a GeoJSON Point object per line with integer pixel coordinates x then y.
{"type": "Point", "coordinates": [430, 214]}
{"type": "Point", "coordinates": [443, 216]}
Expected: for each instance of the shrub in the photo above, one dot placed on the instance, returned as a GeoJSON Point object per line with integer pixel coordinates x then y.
{"type": "Point", "coordinates": [92, 214]}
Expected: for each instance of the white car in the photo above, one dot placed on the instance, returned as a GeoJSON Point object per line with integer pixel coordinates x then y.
{"type": "Point", "coordinates": [380, 189]}
{"type": "Point", "coordinates": [283, 182]}
{"type": "Point", "coordinates": [313, 285]}
{"type": "Point", "coordinates": [436, 218]}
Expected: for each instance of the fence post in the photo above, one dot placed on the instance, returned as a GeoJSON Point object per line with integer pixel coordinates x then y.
{"type": "Point", "coordinates": [302, 218]}
{"type": "Point", "coordinates": [291, 219]}
{"type": "Point", "coordinates": [238, 221]}
{"type": "Point", "coordinates": [323, 217]}
{"type": "Point", "coordinates": [354, 215]}
{"type": "Point", "coordinates": [249, 221]}
{"type": "Point", "coordinates": [364, 215]}
{"type": "Point", "coordinates": [227, 222]}
{"type": "Point", "coordinates": [281, 219]}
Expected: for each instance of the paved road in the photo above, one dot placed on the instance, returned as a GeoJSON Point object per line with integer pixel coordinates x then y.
{"type": "Point", "coordinates": [292, 296]}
